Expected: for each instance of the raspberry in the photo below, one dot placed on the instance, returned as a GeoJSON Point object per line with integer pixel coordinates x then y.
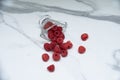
{"type": "Point", "coordinates": [57, 33]}
{"type": "Point", "coordinates": [56, 56]}
{"type": "Point", "coordinates": [54, 28]}
{"type": "Point", "coordinates": [57, 49]}
{"type": "Point", "coordinates": [51, 68]}
{"type": "Point", "coordinates": [84, 36]}
{"type": "Point", "coordinates": [64, 53]}
{"type": "Point", "coordinates": [45, 57]}
{"type": "Point", "coordinates": [50, 31]}
{"type": "Point", "coordinates": [54, 39]}
{"type": "Point", "coordinates": [47, 25]}
{"type": "Point", "coordinates": [53, 44]}
{"type": "Point", "coordinates": [61, 35]}
{"type": "Point", "coordinates": [64, 46]}
{"type": "Point", "coordinates": [50, 35]}
{"type": "Point", "coordinates": [59, 28]}
{"type": "Point", "coordinates": [81, 49]}
{"type": "Point", "coordinates": [47, 47]}
{"type": "Point", "coordinates": [59, 40]}
{"type": "Point", "coordinates": [69, 44]}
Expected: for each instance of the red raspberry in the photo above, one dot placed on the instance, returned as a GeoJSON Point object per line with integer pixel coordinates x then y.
{"type": "Point", "coordinates": [53, 44]}
{"type": "Point", "coordinates": [45, 57]}
{"type": "Point", "coordinates": [64, 46]}
{"type": "Point", "coordinates": [47, 47]}
{"type": "Point", "coordinates": [50, 31]}
{"type": "Point", "coordinates": [62, 36]}
{"type": "Point", "coordinates": [84, 36]}
{"type": "Point", "coordinates": [81, 49]}
{"type": "Point", "coordinates": [54, 39]}
{"type": "Point", "coordinates": [57, 49]}
{"type": "Point", "coordinates": [56, 56]}
{"type": "Point", "coordinates": [50, 35]}
{"type": "Point", "coordinates": [47, 25]}
{"type": "Point", "coordinates": [54, 28]}
{"type": "Point", "coordinates": [70, 45]}
{"type": "Point", "coordinates": [59, 40]}
{"type": "Point", "coordinates": [57, 33]}
{"type": "Point", "coordinates": [64, 53]}
{"type": "Point", "coordinates": [51, 68]}
{"type": "Point", "coordinates": [59, 28]}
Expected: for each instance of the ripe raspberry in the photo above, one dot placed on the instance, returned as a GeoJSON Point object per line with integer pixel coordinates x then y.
{"type": "Point", "coordinates": [47, 47]}
{"type": "Point", "coordinates": [45, 57]}
{"type": "Point", "coordinates": [57, 49]}
{"type": "Point", "coordinates": [50, 31]}
{"type": "Point", "coordinates": [59, 28]}
{"type": "Point", "coordinates": [56, 56]}
{"type": "Point", "coordinates": [54, 28]}
{"type": "Point", "coordinates": [54, 39]}
{"type": "Point", "coordinates": [70, 45]}
{"type": "Point", "coordinates": [50, 36]}
{"type": "Point", "coordinates": [57, 33]}
{"type": "Point", "coordinates": [53, 44]}
{"type": "Point", "coordinates": [81, 49]}
{"type": "Point", "coordinates": [47, 25]}
{"type": "Point", "coordinates": [59, 40]}
{"type": "Point", "coordinates": [51, 68]}
{"type": "Point", "coordinates": [84, 36]}
{"type": "Point", "coordinates": [64, 53]}
{"type": "Point", "coordinates": [64, 46]}
{"type": "Point", "coordinates": [61, 35]}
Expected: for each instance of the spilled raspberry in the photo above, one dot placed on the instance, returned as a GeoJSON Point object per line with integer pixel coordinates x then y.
{"type": "Point", "coordinates": [84, 36]}
{"type": "Point", "coordinates": [56, 56]}
{"type": "Point", "coordinates": [59, 40]}
{"type": "Point", "coordinates": [57, 33]}
{"type": "Point", "coordinates": [51, 68]}
{"type": "Point", "coordinates": [81, 49]}
{"type": "Point", "coordinates": [70, 45]}
{"type": "Point", "coordinates": [53, 44]}
{"type": "Point", "coordinates": [45, 57]}
{"type": "Point", "coordinates": [47, 47]}
{"type": "Point", "coordinates": [64, 53]}
{"type": "Point", "coordinates": [57, 49]}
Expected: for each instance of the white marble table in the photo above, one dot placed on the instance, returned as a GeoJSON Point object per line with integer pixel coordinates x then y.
{"type": "Point", "coordinates": [21, 46]}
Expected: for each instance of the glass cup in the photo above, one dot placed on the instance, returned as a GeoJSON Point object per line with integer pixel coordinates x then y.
{"type": "Point", "coordinates": [47, 23]}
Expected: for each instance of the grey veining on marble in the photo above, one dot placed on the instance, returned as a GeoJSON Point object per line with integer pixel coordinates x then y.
{"type": "Point", "coordinates": [116, 56]}
{"type": "Point", "coordinates": [27, 7]}
{"type": "Point", "coordinates": [1, 17]}
{"type": "Point", "coordinates": [16, 28]}
{"type": "Point", "coordinates": [89, 3]}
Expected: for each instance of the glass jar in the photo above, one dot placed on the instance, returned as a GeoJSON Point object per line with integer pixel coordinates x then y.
{"type": "Point", "coordinates": [46, 23]}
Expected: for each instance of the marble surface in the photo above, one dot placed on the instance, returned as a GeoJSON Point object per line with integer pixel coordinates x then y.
{"type": "Point", "coordinates": [21, 46]}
